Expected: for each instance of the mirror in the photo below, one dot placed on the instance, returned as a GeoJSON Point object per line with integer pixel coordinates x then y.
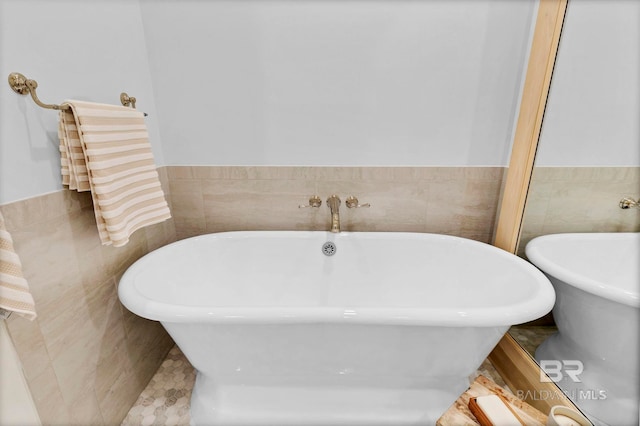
{"type": "Point", "coordinates": [587, 160]}
{"type": "Point", "coordinates": [519, 370]}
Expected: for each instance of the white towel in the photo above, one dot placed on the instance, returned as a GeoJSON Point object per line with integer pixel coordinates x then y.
{"type": "Point", "coordinates": [105, 149]}
{"type": "Point", "coordinates": [14, 290]}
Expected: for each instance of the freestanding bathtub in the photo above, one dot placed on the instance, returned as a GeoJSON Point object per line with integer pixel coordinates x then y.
{"type": "Point", "coordinates": [597, 311]}
{"type": "Point", "coordinates": [371, 329]}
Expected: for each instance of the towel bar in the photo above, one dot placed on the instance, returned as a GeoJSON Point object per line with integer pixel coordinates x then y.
{"type": "Point", "coordinates": [23, 85]}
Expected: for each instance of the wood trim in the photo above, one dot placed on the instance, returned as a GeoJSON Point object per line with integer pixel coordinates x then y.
{"type": "Point", "coordinates": [544, 47]}
{"type": "Point", "coordinates": [513, 363]}
{"type": "Point", "coordinates": [509, 358]}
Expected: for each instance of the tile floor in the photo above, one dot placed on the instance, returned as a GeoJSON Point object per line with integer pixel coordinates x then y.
{"type": "Point", "coordinates": [165, 400]}
{"type": "Point", "coordinates": [530, 337]}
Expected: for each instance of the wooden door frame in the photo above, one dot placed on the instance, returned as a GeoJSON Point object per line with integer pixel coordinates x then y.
{"type": "Point", "coordinates": [519, 371]}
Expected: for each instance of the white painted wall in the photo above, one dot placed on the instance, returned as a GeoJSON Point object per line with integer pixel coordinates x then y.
{"type": "Point", "coordinates": [88, 50]}
{"type": "Point", "coordinates": [310, 82]}
{"type": "Point", "coordinates": [350, 82]}
{"type": "Point", "coordinates": [318, 82]}
{"type": "Point", "coordinates": [593, 112]}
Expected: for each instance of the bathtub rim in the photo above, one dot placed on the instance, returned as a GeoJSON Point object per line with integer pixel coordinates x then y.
{"type": "Point", "coordinates": [495, 316]}
{"type": "Point", "coordinates": [535, 253]}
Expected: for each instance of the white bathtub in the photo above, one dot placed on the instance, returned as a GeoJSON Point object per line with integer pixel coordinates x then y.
{"type": "Point", "coordinates": [597, 283]}
{"type": "Point", "coordinates": [384, 332]}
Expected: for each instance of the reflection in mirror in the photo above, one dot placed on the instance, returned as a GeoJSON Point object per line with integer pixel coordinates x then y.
{"type": "Point", "coordinates": [588, 159]}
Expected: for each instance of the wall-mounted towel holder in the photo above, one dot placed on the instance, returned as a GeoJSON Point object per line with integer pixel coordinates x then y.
{"type": "Point", "coordinates": [23, 86]}
{"type": "Point", "coordinates": [127, 100]}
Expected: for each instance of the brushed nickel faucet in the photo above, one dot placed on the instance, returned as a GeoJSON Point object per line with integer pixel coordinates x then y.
{"type": "Point", "coordinates": [334, 206]}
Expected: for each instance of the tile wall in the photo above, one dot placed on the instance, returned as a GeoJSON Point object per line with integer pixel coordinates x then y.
{"type": "Point", "coordinates": [86, 358]}
{"type": "Point", "coordinates": [448, 200]}
{"type": "Point", "coordinates": [580, 199]}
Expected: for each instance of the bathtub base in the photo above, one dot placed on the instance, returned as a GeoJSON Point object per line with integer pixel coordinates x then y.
{"type": "Point", "coordinates": [319, 406]}
{"type": "Point", "coordinates": [603, 397]}
{"type": "Point", "coordinates": [329, 373]}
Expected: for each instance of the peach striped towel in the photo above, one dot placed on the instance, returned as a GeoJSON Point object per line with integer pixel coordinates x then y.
{"type": "Point", "coordinates": [105, 149]}
{"type": "Point", "coordinates": [14, 290]}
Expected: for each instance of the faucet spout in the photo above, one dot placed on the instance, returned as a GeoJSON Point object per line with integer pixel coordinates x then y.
{"type": "Point", "coordinates": [334, 206]}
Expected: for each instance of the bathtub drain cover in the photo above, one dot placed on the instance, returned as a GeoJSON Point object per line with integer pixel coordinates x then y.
{"type": "Point", "coordinates": [329, 249]}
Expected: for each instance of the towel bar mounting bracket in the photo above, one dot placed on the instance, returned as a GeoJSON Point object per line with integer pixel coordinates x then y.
{"type": "Point", "coordinates": [127, 100]}
{"type": "Point", "coordinates": [23, 86]}
{"type": "Point", "coordinates": [18, 83]}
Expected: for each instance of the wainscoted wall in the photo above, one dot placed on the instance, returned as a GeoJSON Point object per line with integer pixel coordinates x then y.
{"type": "Point", "coordinates": [448, 200]}
{"type": "Point", "coordinates": [86, 358]}
{"type": "Point", "coordinates": [580, 199]}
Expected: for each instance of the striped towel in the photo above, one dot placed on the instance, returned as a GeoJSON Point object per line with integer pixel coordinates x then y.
{"type": "Point", "coordinates": [14, 290]}
{"type": "Point", "coordinates": [105, 149]}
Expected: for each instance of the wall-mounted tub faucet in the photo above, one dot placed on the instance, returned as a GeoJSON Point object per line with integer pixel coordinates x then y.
{"type": "Point", "coordinates": [333, 202]}
{"type": "Point", "coordinates": [334, 206]}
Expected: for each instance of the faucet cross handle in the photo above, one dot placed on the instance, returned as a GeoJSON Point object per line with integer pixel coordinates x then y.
{"type": "Point", "coordinates": [314, 201]}
{"type": "Point", "coordinates": [628, 202]}
{"type": "Point", "coordinates": [352, 203]}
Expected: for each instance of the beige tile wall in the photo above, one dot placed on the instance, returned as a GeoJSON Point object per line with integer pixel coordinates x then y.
{"type": "Point", "coordinates": [580, 199]}
{"type": "Point", "coordinates": [449, 200]}
{"type": "Point", "coordinates": [86, 358]}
